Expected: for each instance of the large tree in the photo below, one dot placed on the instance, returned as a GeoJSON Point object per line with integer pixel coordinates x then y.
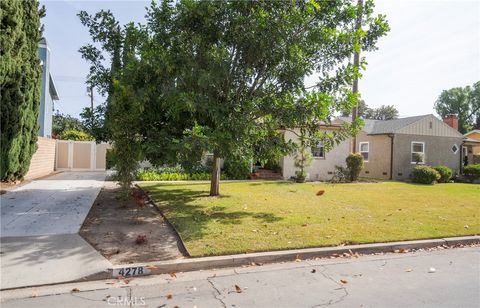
{"type": "Point", "coordinates": [63, 122]}
{"type": "Point", "coordinates": [227, 76]}
{"type": "Point", "coordinates": [462, 101]}
{"type": "Point", "coordinates": [20, 80]}
{"type": "Point", "coordinates": [384, 112]}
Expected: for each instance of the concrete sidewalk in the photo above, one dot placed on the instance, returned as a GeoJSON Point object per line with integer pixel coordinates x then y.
{"type": "Point", "coordinates": [441, 278]}
{"type": "Point", "coordinates": [39, 231]}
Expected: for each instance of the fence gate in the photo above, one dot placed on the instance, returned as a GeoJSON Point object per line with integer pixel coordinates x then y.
{"type": "Point", "coordinates": [81, 155]}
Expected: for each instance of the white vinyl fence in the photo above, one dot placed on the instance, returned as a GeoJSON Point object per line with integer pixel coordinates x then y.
{"type": "Point", "coordinates": [81, 155]}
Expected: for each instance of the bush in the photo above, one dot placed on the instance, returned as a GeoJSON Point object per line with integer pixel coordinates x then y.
{"type": "Point", "coordinates": [472, 172]}
{"type": "Point", "coordinates": [152, 175]}
{"type": "Point", "coordinates": [354, 165]}
{"type": "Point", "coordinates": [445, 173]}
{"type": "Point", "coordinates": [110, 158]}
{"type": "Point", "coordinates": [237, 168]}
{"type": "Point", "coordinates": [76, 135]}
{"type": "Point", "coordinates": [425, 175]}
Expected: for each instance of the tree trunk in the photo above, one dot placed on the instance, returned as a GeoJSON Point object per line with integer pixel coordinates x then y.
{"type": "Point", "coordinates": [215, 180]}
{"type": "Point", "coordinates": [356, 64]}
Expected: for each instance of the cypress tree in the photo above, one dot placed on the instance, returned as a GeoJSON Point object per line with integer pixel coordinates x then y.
{"type": "Point", "coordinates": [20, 82]}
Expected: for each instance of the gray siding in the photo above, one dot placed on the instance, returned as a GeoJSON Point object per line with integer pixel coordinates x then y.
{"type": "Point", "coordinates": [430, 126]}
{"type": "Point", "coordinates": [438, 151]}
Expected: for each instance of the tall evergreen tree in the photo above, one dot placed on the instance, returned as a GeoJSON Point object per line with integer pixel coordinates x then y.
{"type": "Point", "coordinates": [20, 80]}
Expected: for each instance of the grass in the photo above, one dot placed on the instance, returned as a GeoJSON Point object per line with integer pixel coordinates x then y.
{"type": "Point", "coordinates": [260, 216]}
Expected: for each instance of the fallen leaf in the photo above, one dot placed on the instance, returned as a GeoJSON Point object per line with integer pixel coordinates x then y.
{"type": "Point", "coordinates": [75, 290]}
{"type": "Point", "coordinates": [304, 225]}
{"type": "Point", "coordinates": [320, 192]}
{"type": "Point", "coordinates": [343, 281]}
{"type": "Point", "coordinates": [238, 289]}
{"type": "Point", "coordinates": [313, 271]}
{"type": "Point", "coordinates": [151, 267]}
{"type": "Point", "coordinates": [173, 274]}
{"type": "Point", "coordinates": [432, 270]}
{"type": "Point", "coordinates": [466, 226]}
{"type": "Point", "coordinates": [169, 296]}
{"type": "Point", "coordinates": [408, 270]}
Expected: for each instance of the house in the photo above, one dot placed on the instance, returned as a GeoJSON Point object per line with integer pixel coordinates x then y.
{"type": "Point", "coordinates": [49, 92]}
{"type": "Point", "coordinates": [391, 149]}
{"type": "Point", "coordinates": [471, 147]}
{"type": "Point", "coordinates": [323, 163]}
{"type": "Point", "coordinates": [43, 161]}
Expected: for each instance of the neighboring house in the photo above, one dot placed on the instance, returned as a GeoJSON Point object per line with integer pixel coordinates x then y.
{"type": "Point", "coordinates": [323, 163]}
{"type": "Point", "coordinates": [471, 147]}
{"type": "Point", "coordinates": [389, 148]}
{"type": "Point", "coordinates": [43, 161]}
{"type": "Point", "coordinates": [49, 92]}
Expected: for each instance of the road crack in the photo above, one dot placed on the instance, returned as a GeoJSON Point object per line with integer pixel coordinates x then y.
{"type": "Point", "coordinates": [341, 287]}
{"type": "Point", "coordinates": [218, 293]}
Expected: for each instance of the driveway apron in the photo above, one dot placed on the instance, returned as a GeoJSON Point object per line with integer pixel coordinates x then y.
{"type": "Point", "coordinates": [39, 231]}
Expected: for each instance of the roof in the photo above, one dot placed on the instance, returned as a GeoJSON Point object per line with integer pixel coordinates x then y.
{"type": "Point", "coordinates": [472, 132]}
{"type": "Point", "coordinates": [53, 89]}
{"type": "Point", "coordinates": [380, 127]}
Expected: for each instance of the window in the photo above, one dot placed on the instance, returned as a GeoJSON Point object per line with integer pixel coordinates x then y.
{"type": "Point", "coordinates": [455, 149]}
{"type": "Point", "coordinates": [418, 152]}
{"type": "Point", "coordinates": [364, 148]}
{"type": "Point", "coordinates": [318, 151]}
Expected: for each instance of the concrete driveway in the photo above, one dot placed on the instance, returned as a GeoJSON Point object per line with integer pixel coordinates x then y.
{"type": "Point", "coordinates": [54, 205]}
{"type": "Point", "coordinates": [39, 231]}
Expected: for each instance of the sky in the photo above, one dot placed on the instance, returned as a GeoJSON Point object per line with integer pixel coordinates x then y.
{"type": "Point", "coordinates": [433, 45]}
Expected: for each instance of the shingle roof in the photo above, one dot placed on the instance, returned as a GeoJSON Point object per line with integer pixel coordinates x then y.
{"type": "Point", "coordinates": [378, 127]}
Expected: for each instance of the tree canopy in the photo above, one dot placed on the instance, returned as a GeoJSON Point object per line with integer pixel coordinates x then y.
{"type": "Point", "coordinates": [464, 102]}
{"type": "Point", "coordinates": [384, 112]}
{"type": "Point", "coordinates": [227, 76]}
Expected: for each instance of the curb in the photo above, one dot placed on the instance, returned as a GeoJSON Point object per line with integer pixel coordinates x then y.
{"type": "Point", "coordinates": [204, 263]}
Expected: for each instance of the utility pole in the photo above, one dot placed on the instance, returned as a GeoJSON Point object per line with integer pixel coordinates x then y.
{"type": "Point", "coordinates": [356, 64]}
{"type": "Point", "coordinates": [90, 89]}
{"type": "Point", "coordinates": [91, 98]}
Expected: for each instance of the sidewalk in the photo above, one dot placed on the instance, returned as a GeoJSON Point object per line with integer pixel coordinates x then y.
{"type": "Point", "coordinates": [39, 231]}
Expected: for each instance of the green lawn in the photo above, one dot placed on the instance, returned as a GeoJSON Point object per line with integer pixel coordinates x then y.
{"type": "Point", "coordinates": [259, 216]}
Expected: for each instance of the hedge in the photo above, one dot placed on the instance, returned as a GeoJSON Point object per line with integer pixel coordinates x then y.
{"type": "Point", "coordinates": [425, 175]}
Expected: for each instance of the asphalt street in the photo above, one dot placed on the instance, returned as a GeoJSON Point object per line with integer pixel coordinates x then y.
{"type": "Point", "coordinates": [439, 278]}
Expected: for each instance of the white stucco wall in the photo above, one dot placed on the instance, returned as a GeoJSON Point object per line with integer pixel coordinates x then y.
{"type": "Point", "coordinates": [321, 169]}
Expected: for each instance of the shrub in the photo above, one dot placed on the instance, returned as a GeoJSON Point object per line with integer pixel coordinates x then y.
{"type": "Point", "coordinates": [110, 158]}
{"type": "Point", "coordinates": [76, 135]}
{"type": "Point", "coordinates": [445, 173]}
{"type": "Point", "coordinates": [237, 168]}
{"type": "Point", "coordinates": [152, 175]}
{"type": "Point", "coordinates": [472, 172]}
{"type": "Point", "coordinates": [425, 175]}
{"type": "Point", "coordinates": [341, 175]}
{"type": "Point", "coordinates": [354, 165]}
{"type": "Point", "coordinates": [303, 159]}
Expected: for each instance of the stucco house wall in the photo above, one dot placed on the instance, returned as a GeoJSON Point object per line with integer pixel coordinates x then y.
{"type": "Point", "coordinates": [438, 151]}
{"type": "Point", "coordinates": [321, 169]}
{"type": "Point", "coordinates": [378, 165]}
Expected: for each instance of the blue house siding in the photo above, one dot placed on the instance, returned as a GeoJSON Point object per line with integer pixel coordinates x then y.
{"type": "Point", "coordinates": [48, 93]}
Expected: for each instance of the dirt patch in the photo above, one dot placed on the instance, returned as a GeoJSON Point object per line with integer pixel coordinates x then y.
{"type": "Point", "coordinates": [129, 231]}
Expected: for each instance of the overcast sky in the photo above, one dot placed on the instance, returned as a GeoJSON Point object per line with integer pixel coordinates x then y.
{"type": "Point", "coordinates": [433, 45]}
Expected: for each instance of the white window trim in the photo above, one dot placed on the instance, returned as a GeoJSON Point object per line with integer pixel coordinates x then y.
{"type": "Point", "coordinates": [367, 151]}
{"type": "Point", "coordinates": [411, 152]}
{"type": "Point", "coordinates": [320, 144]}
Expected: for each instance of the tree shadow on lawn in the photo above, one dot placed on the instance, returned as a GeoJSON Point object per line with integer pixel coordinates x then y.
{"type": "Point", "coordinates": [191, 220]}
